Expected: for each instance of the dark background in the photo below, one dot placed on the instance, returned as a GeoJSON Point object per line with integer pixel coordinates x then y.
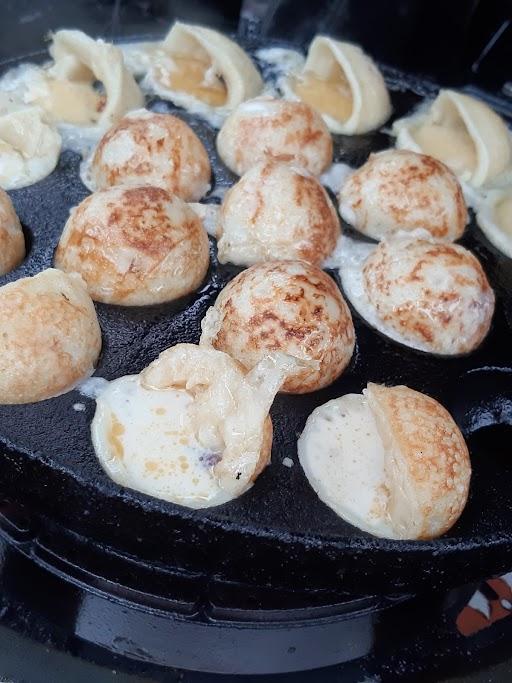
{"type": "Point", "coordinates": [452, 40]}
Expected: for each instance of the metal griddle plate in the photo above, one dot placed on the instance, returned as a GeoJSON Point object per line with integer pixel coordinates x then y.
{"type": "Point", "coordinates": [279, 531]}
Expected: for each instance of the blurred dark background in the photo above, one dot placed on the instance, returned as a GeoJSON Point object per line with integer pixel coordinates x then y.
{"type": "Point", "coordinates": [452, 40]}
{"type": "Point", "coordinates": [455, 41]}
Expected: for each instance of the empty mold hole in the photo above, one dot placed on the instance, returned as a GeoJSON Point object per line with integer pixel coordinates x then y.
{"type": "Point", "coordinates": [493, 445]}
{"type": "Point", "coordinates": [482, 399]}
{"type": "Point", "coordinates": [482, 406]}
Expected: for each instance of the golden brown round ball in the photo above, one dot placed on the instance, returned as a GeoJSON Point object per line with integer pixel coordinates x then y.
{"type": "Point", "coordinates": [135, 246]}
{"type": "Point", "coordinates": [276, 211]}
{"type": "Point", "coordinates": [50, 338]}
{"type": "Point", "coordinates": [12, 241]}
{"type": "Point", "coordinates": [391, 461]}
{"type": "Point", "coordinates": [436, 296]}
{"type": "Point", "coordinates": [283, 130]}
{"type": "Point", "coordinates": [401, 190]}
{"type": "Point", "coordinates": [287, 306]}
{"type": "Point", "coordinates": [152, 149]}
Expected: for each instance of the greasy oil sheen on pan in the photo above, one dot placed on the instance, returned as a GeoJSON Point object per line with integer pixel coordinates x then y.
{"type": "Point", "coordinates": [278, 532]}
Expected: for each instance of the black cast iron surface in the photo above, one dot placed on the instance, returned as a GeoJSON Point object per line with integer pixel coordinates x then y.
{"type": "Point", "coordinates": [279, 531]}
{"type": "Point", "coordinates": [61, 596]}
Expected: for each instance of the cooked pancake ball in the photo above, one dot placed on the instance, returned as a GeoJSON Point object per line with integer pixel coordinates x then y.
{"type": "Point", "coordinates": [50, 338]}
{"type": "Point", "coordinates": [193, 428]}
{"type": "Point", "coordinates": [152, 149]}
{"type": "Point", "coordinates": [290, 306]}
{"type": "Point", "coordinates": [12, 241]}
{"type": "Point", "coordinates": [276, 211]}
{"type": "Point", "coordinates": [400, 190]}
{"type": "Point", "coordinates": [425, 294]}
{"type": "Point", "coordinates": [391, 461]}
{"type": "Point", "coordinates": [134, 246]}
{"type": "Point", "coordinates": [265, 128]}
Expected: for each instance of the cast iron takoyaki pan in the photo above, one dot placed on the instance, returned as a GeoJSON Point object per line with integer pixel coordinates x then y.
{"type": "Point", "coordinates": [279, 532]}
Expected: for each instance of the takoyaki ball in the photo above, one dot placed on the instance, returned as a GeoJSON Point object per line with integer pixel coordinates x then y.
{"type": "Point", "coordinates": [152, 149]}
{"type": "Point", "coordinates": [50, 338]}
{"type": "Point", "coordinates": [289, 306]}
{"type": "Point", "coordinates": [429, 295]}
{"type": "Point", "coordinates": [391, 461]}
{"type": "Point", "coordinates": [276, 211]}
{"type": "Point", "coordinates": [135, 246]}
{"type": "Point", "coordinates": [268, 128]}
{"type": "Point", "coordinates": [192, 428]}
{"type": "Point", "coordinates": [398, 190]}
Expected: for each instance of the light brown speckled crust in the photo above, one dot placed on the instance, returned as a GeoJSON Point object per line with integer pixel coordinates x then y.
{"type": "Point", "coordinates": [153, 149]}
{"type": "Point", "coordinates": [287, 306]}
{"type": "Point", "coordinates": [12, 241]}
{"type": "Point", "coordinates": [276, 211]}
{"type": "Point", "coordinates": [279, 129]}
{"type": "Point", "coordinates": [433, 293]}
{"type": "Point", "coordinates": [49, 336]}
{"type": "Point", "coordinates": [428, 456]}
{"type": "Point", "coordinates": [135, 246]}
{"type": "Point", "coordinates": [401, 190]}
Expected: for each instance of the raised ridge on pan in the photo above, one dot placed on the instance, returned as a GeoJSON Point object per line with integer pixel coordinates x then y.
{"type": "Point", "coordinates": [279, 531]}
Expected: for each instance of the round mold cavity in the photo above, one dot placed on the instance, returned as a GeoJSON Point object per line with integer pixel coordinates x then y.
{"type": "Point", "coordinates": [482, 399]}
